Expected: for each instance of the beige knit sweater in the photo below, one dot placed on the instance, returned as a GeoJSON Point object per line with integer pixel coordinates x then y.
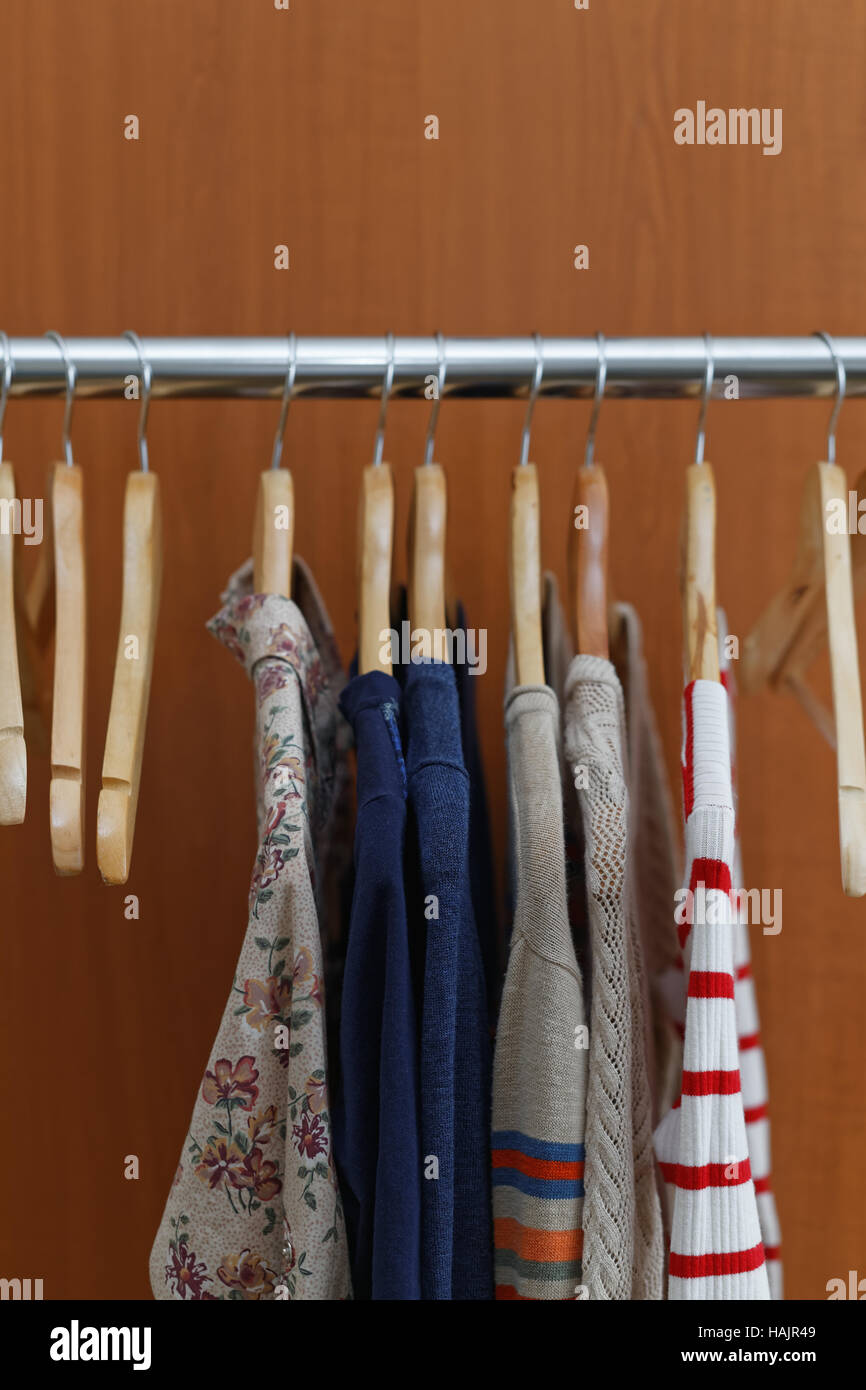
{"type": "Point", "coordinates": [623, 1235]}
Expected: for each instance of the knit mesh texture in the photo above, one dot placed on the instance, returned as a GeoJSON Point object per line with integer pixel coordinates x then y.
{"type": "Point", "coordinates": [623, 1240]}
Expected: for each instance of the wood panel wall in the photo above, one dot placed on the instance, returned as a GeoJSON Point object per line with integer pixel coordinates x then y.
{"type": "Point", "coordinates": [261, 126]}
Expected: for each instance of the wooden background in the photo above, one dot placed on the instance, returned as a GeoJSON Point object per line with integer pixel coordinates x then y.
{"type": "Point", "coordinates": [261, 126]}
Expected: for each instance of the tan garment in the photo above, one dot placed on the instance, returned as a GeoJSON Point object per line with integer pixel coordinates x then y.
{"type": "Point", "coordinates": [255, 1209]}
{"type": "Point", "coordinates": [539, 1069]}
{"type": "Point", "coordinates": [623, 1237]}
{"type": "Point", "coordinates": [655, 856]}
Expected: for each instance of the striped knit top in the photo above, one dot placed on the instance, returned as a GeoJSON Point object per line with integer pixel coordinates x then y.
{"type": "Point", "coordinates": [540, 1062]}
{"type": "Point", "coordinates": [716, 1247]}
{"type": "Point", "coordinates": [753, 1069]}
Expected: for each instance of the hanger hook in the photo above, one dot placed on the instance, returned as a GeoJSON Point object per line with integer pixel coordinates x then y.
{"type": "Point", "coordinates": [71, 376]}
{"type": "Point", "coordinates": [437, 400]}
{"type": "Point", "coordinates": [841, 384]}
{"type": "Point", "coordinates": [386, 391]}
{"type": "Point", "coordinates": [600, 382]}
{"type": "Point", "coordinates": [533, 397]}
{"type": "Point", "coordinates": [6, 386]}
{"type": "Point", "coordinates": [288, 392]}
{"type": "Point", "coordinates": [146, 380]}
{"type": "Point", "coordinates": [705, 396]}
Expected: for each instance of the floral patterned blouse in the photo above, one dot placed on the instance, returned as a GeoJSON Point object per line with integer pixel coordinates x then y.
{"type": "Point", "coordinates": [254, 1210]}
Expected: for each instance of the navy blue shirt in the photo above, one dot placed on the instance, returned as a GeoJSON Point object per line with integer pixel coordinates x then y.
{"type": "Point", "coordinates": [376, 1122]}
{"type": "Point", "coordinates": [456, 1225]}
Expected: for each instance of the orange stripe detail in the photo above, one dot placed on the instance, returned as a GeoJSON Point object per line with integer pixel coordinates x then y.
{"type": "Point", "coordinates": [531, 1244]}
{"type": "Point", "coordinates": [536, 1167]}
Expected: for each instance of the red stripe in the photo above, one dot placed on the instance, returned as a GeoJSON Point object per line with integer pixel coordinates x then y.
{"type": "Point", "coordinates": [747, 1040]}
{"type": "Point", "coordinates": [706, 1266]}
{"type": "Point", "coordinates": [712, 873]}
{"type": "Point", "coordinates": [744, 971]}
{"type": "Point", "coordinates": [711, 984]}
{"type": "Point", "coordinates": [693, 1179]}
{"type": "Point", "coordinates": [773, 1252]}
{"type": "Point", "coordinates": [688, 780]}
{"type": "Point", "coordinates": [763, 1184]}
{"type": "Point", "coordinates": [711, 1083]}
{"type": "Point", "coordinates": [756, 1112]}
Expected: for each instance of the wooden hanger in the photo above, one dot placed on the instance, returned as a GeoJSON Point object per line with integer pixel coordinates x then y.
{"type": "Point", "coordinates": [375, 549]}
{"type": "Point", "coordinates": [814, 607]}
{"type": "Point", "coordinates": [524, 554]}
{"type": "Point", "coordinates": [698, 567]}
{"type": "Point", "coordinates": [376, 546]}
{"type": "Point", "coordinates": [124, 741]}
{"type": "Point", "coordinates": [68, 723]}
{"type": "Point", "coordinates": [427, 526]}
{"type": "Point", "coordinates": [274, 526]}
{"type": "Point", "coordinates": [13, 754]}
{"type": "Point", "coordinates": [428, 515]}
{"type": "Point", "coordinates": [587, 548]}
{"type": "Point", "coordinates": [700, 626]}
{"type": "Point", "coordinates": [588, 563]}
{"type": "Point", "coordinates": [62, 560]}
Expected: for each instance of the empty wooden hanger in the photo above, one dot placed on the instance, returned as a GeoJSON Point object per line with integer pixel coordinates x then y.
{"type": "Point", "coordinates": [274, 526]}
{"type": "Point", "coordinates": [587, 549]}
{"type": "Point", "coordinates": [68, 723]}
{"type": "Point", "coordinates": [376, 546]}
{"type": "Point", "coordinates": [817, 605]}
{"type": "Point", "coordinates": [524, 553]}
{"type": "Point", "coordinates": [13, 754]}
{"type": "Point", "coordinates": [698, 570]}
{"type": "Point", "coordinates": [428, 516]}
{"type": "Point", "coordinates": [142, 582]}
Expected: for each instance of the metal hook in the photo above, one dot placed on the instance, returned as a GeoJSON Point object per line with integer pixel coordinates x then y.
{"type": "Point", "coordinates": [71, 376]}
{"type": "Point", "coordinates": [600, 381]}
{"type": "Point", "coordinates": [437, 400]}
{"type": "Point", "coordinates": [288, 391]}
{"type": "Point", "coordinates": [841, 383]}
{"type": "Point", "coordinates": [386, 391]}
{"type": "Point", "coordinates": [708, 386]}
{"type": "Point", "coordinates": [7, 385]}
{"type": "Point", "coordinates": [533, 397]}
{"type": "Point", "coordinates": [145, 379]}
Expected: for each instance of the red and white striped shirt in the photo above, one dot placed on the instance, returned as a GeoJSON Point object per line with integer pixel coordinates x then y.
{"type": "Point", "coordinates": [717, 1250]}
{"type": "Point", "coordinates": [753, 1069]}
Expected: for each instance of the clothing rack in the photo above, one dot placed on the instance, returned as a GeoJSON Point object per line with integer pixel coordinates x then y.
{"type": "Point", "coordinates": [649, 368]}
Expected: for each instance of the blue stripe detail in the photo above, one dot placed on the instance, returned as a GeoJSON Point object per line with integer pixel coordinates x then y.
{"type": "Point", "coordinates": [538, 1187]}
{"type": "Point", "coordinates": [536, 1148]}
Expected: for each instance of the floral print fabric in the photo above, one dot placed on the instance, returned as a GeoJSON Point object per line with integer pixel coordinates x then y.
{"type": "Point", "coordinates": [254, 1211]}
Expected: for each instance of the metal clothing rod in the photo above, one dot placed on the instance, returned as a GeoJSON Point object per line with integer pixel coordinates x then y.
{"type": "Point", "coordinates": [647, 368]}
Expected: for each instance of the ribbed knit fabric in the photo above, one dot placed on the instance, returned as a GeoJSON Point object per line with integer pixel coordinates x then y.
{"type": "Point", "coordinates": [716, 1248]}
{"type": "Point", "coordinates": [376, 1125]}
{"type": "Point", "coordinates": [753, 1068]}
{"type": "Point", "coordinates": [540, 1062]}
{"type": "Point", "coordinates": [456, 1227]}
{"type": "Point", "coordinates": [623, 1236]}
